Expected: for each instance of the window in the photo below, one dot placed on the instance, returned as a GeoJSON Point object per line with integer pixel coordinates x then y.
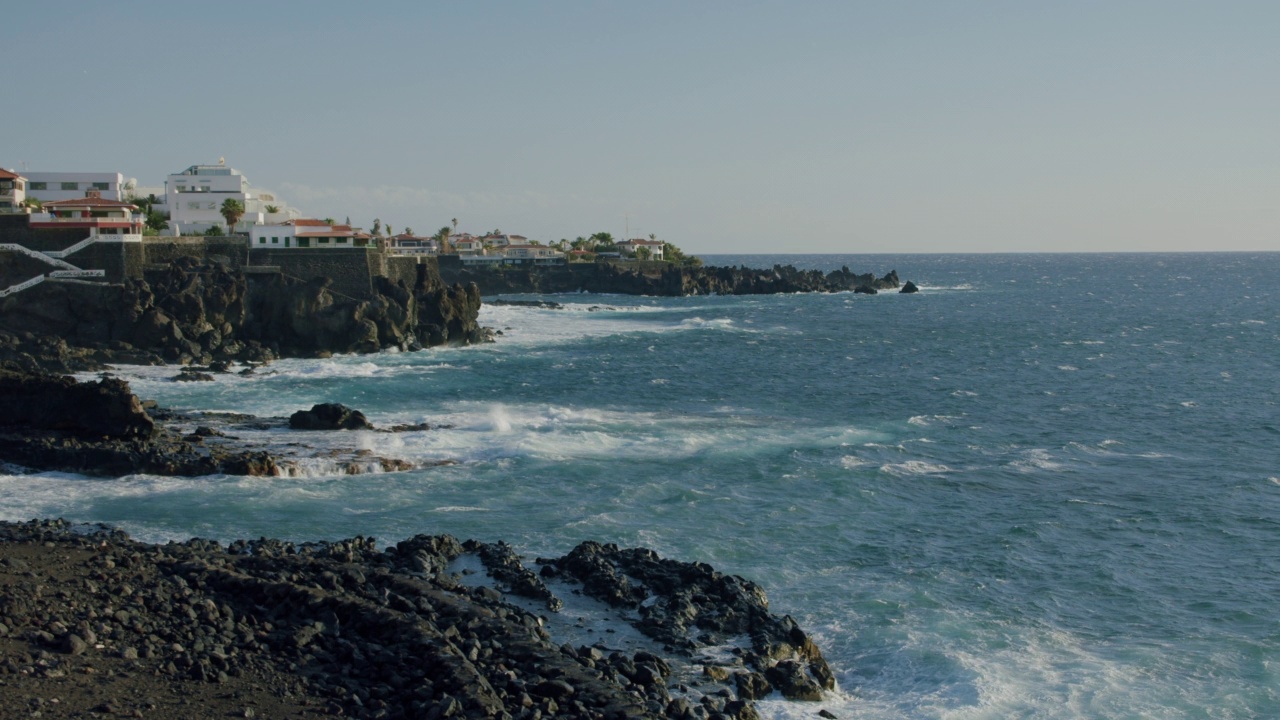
{"type": "Point", "coordinates": [211, 206]}
{"type": "Point", "coordinates": [39, 186]}
{"type": "Point", "coordinates": [101, 186]}
{"type": "Point", "coordinates": [182, 188]}
{"type": "Point", "coordinates": [70, 186]}
{"type": "Point", "coordinates": [262, 241]}
{"type": "Point", "coordinates": [324, 241]}
{"type": "Point", "coordinates": [275, 241]}
{"type": "Point", "coordinates": [193, 206]}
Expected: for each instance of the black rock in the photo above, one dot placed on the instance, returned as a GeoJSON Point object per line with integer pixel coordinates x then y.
{"type": "Point", "coordinates": [329, 416]}
{"type": "Point", "coordinates": [910, 287]}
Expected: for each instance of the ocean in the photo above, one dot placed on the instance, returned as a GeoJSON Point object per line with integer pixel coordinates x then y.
{"type": "Point", "coordinates": [1046, 486]}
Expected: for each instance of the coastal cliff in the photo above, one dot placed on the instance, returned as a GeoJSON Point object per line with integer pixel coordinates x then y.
{"type": "Point", "coordinates": [662, 279]}
{"type": "Point", "coordinates": [198, 312]}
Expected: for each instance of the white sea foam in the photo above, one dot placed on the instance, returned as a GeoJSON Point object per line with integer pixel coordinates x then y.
{"type": "Point", "coordinates": [1036, 459]}
{"type": "Point", "coordinates": [914, 467]}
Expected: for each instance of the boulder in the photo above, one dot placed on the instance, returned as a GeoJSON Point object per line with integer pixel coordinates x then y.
{"type": "Point", "coordinates": [329, 416]}
{"type": "Point", "coordinates": [910, 287]}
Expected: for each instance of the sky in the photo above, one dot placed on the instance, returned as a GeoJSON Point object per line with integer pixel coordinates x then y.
{"type": "Point", "coordinates": [722, 127]}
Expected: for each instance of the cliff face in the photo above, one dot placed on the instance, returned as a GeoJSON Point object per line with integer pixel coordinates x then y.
{"type": "Point", "coordinates": [671, 281]}
{"type": "Point", "coordinates": [196, 312]}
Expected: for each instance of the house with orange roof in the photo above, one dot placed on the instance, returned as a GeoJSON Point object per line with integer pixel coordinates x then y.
{"type": "Point", "coordinates": [308, 233]}
{"type": "Point", "coordinates": [101, 217]}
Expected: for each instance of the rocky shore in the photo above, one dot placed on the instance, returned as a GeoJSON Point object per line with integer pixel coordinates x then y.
{"type": "Point", "coordinates": [661, 279]}
{"type": "Point", "coordinates": [95, 624]}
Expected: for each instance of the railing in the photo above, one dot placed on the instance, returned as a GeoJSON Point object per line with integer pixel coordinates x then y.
{"type": "Point", "coordinates": [38, 256]}
{"type": "Point", "coordinates": [22, 286]}
{"type": "Point", "coordinates": [77, 273]}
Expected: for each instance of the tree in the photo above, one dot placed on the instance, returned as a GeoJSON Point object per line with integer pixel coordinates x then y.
{"type": "Point", "coordinates": [272, 209]}
{"type": "Point", "coordinates": [377, 226]}
{"type": "Point", "coordinates": [214, 231]}
{"type": "Point", "coordinates": [232, 210]}
{"type": "Point", "coordinates": [156, 222]}
{"type": "Point", "coordinates": [643, 253]}
{"type": "Point", "coordinates": [329, 221]}
{"type": "Point", "coordinates": [673, 254]}
{"type": "Point", "coordinates": [390, 232]}
{"type": "Point", "coordinates": [442, 237]}
{"type": "Point", "coordinates": [455, 223]}
{"type": "Point", "coordinates": [408, 230]}
{"type": "Point", "coordinates": [603, 242]}
{"type": "Point", "coordinates": [33, 203]}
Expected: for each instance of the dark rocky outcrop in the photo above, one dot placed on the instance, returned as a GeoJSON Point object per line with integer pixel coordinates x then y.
{"type": "Point", "coordinates": [329, 416]}
{"type": "Point", "coordinates": [105, 409]}
{"type": "Point", "coordinates": [350, 630]}
{"type": "Point", "coordinates": [191, 312]}
{"type": "Point", "coordinates": [909, 287]}
{"type": "Point", "coordinates": [662, 279]}
{"type": "Point", "coordinates": [100, 428]}
{"type": "Point", "coordinates": [690, 605]}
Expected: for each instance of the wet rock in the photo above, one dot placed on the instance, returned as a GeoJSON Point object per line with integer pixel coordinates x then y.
{"type": "Point", "coordinates": [329, 416]}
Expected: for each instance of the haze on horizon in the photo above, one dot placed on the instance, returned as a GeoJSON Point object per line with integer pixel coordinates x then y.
{"type": "Point", "coordinates": [719, 126]}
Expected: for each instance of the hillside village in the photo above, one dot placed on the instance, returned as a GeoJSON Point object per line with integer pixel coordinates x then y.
{"type": "Point", "coordinates": [49, 217]}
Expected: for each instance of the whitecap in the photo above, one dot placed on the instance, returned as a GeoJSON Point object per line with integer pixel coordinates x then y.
{"type": "Point", "coordinates": [1068, 368]}
{"type": "Point", "coordinates": [458, 508]}
{"type": "Point", "coordinates": [914, 467]}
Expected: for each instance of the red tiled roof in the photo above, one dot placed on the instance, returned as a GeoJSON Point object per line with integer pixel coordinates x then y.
{"type": "Point", "coordinates": [307, 222]}
{"type": "Point", "coordinates": [6, 175]}
{"type": "Point", "coordinates": [88, 202]}
{"type": "Point", "coordinates": [325, 233]}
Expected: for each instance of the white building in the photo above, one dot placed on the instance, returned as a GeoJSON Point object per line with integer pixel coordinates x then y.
{"type": "Point", "coordinates": [194, 197]}
{"type": "Point", "coordinates": [307, 233]}
{"type": "Point", "coordinates": [629, 247]}
{"type": "Point", "coordinates": [13, 191]}
{"type": "Point", "coordinates": [54, 186]}
{"type": "Point", "coordinates": [406, 244]}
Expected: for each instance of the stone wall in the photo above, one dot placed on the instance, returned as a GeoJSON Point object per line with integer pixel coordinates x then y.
{"type": "Point", "coordinates": [231, 249]}
{"type": "Point", "coordinates": [350, 270]}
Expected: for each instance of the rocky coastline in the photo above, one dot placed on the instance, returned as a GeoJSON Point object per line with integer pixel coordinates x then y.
{"type": "Point", "coordinates": [193, 312]}
{"type": "Point", "coordinates": [94, 624]}
{"type": "Point", "coordinates": [661, 279]}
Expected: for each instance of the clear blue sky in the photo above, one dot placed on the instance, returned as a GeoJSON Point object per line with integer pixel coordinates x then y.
{"type": "Point", "coordinates": [719, 126]}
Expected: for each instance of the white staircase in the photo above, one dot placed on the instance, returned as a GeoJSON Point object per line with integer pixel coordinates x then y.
{"type": "Point", "coordinates": [66, 270]}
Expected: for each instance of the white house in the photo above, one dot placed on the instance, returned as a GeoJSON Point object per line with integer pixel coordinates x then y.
{"type": "Point", "coordinates": [308, 233]}
{"type": "Point", "coordinates": [467, 244]}
{"type": "Point", "coordinates": [13, 191]}
{"type": "Point", "coordinates": [406, 244]}
{"type": "Point", "coordinates": [54, 186]}
{"type": "Point", "coordinates": [194, 197]}
{"type": "Point", "coordinates": [527, 252]}
{"type": "Point", "coordinates": [629, 247]}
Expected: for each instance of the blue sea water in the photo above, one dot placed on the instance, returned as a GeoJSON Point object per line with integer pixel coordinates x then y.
{"type": "Point", "coordinates": [1045, 486]}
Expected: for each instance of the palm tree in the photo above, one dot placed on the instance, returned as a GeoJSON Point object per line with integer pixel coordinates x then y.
{"type": "Point", "coordinates": [446, 248]}
{"type": "Point", "coordinates": [232, 210]}
{"type": "Point", "coordinates": [271, 209]}
{"type": "Point", "coordinates": [455, 223]}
